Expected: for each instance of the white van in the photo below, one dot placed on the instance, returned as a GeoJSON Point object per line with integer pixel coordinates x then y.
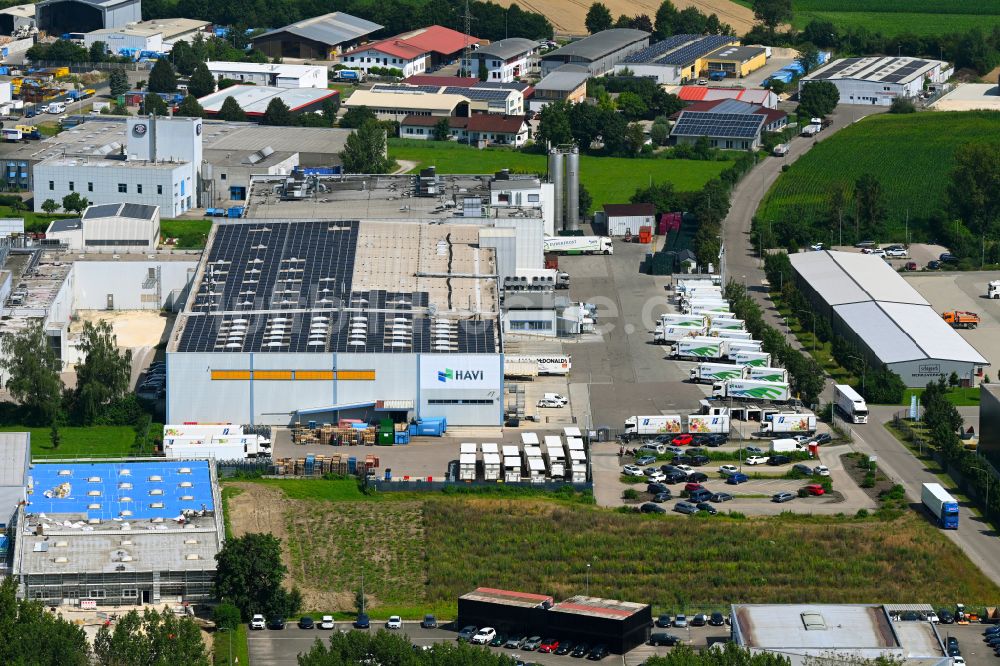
{"type": "Point", "coordinates": [653, 449]}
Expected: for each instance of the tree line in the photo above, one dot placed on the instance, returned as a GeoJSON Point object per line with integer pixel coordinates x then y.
{"type": "Point", "coordinates": [667, 21]}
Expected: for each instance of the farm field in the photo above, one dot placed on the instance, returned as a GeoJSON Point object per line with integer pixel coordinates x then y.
{"type": "Point", "coordinates": [893, 17]}
{"type": "Point", "coordinates": [910, 154]}
{"type": "Point", "coordinates": [608, 179]}
{"type": "Point", "coordinates": [419, 552]}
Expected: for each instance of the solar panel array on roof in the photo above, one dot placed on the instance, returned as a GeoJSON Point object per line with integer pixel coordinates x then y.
{"type": "Point", "coordinates": [834, 69]}
{"type": "Point", "coordinates": [138, 211]}
{"type": "Point", "coordinates": [103, 210]}
{"type": "Point", "coordinates": [478, 93]}
{"type": "Point", "coordinates": [393, 87]}
{"type": "Point", "coordinates": [688, 54]}
{"type": "Point", "coordinates": [653, 51]}
{"type": "Point", "coordinates": [728, 125]}
{"type": "Point", "coordinates": [520, 86]}
{"type": "Point", "coordinates": [904, 71]}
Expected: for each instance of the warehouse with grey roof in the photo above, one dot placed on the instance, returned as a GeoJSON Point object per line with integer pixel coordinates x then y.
{"type": "Point", "coordinates": [879, 80]}
{"type": "Point", "coordinates": [871, 305]}
{"type": "Point", "coordinates": [599, 52]}
{"type": "Point", "coordinates": [320, 37]}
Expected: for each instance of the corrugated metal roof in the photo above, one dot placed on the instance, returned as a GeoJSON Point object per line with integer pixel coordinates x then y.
{"type": "Point", "coordinates": [508, 48]}
{"type": "Point", "coordinates": [13, 454]}
{"type": "Point", "coordinates": [566, 78]}
{"type": "Point", "coordinates": [890, 343]}
{"type": "Point", "coordinates": [599, 44]}
{"type": "Point", "coordinates": [876, 277]}
{"type": "Point", "coordinates": [827, 277]}
{"type": "Point", "coordinates": [331, 29]}
{"type": "Point", "coordinates": [930, 332]}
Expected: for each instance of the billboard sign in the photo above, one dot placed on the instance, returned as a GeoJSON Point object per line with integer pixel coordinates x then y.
{"type": "Point", "coordinates": [460, 371]}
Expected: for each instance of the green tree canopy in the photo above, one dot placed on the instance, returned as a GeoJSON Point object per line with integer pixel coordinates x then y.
{"type": "Point", "coordinates": [818, 98]}
{"type": "Point", "coordinates": [249, 576]}
{"type": "Point", "coordinates": [190, 107]}
{"type": "Point", "coordinates": [50, 206]}
{"type": "Point", "coordinates": [33, 373]}
{"type": "Point", "coordinates": [554, 126]}
{"type": "Point", "coordinates": [231, 111]}
{"type": "Point", "coordinates": [772, 13]}
{"type": "Point", "coordinates": [30, 635]}
{"type": "Point", "coordinates": [98, 51]}
{"type": "Point", "coordinates": [598, 18]}
{"type": "Point", "coordinates": [869, 195]}
{"type": "Point", "coordinates": [277, 113]}
{"type": "Point", "coordinates": [808, 56]}
{"type": "Point", "coordinates": [151, 638]}
{"type": "Point", "coordinates": [383, 647]}
{"type": "Point", "coordinates": [664, 19]}
{"type": "Point", "coordinates": [183, 57]}
{"type": "Point", "coordinates": [103, 377]}
{"type": "Point", "coordinates": [118, 81]}
{"type": "Point", "coordinates": [356, 116]}
{"type": "Point", "coordinates": [201, 82]}
{"type": "Point", "coordinates": [162, 78]}
{"type": "Point", "coordinates": [631, 105]}
{"type": "Point", "coordinates": [974, 190]}
{"type": "Point", "coordinates": [442, 130]}
{"type": "Point", "coordinates": [365, 150]}
{"type": "Point", "coordinates": [153, 103]}
{"type": "Point", "coordinates": [74, 202]}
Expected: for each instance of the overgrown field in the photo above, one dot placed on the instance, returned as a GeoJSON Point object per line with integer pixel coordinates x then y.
{"type": "Point", "coordinates": [419, 552]}
{"type": "Point", "coordinates": [608, 179]}
{"type": "Point", "coordinates": [78, 442]}
{"type": "Point", "coordinates": [893, 17]}
{"type": "Point", "coordinates": [910, 154]}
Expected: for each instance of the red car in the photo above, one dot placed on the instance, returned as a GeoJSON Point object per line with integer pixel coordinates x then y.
{"type": "Point", "coordinates": [815, 489]}
{"type": "Point", "coordinates": [690, 487]}
{"type": "Point", "coordinates": [682, 440]}
{"type": "Point", "coordinates": [549, 645]}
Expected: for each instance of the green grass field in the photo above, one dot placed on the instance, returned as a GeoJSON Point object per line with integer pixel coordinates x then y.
{"type": "Point", "coordinates": [910, 154]}
{"type": "Point", "coordinates": [230, 647]}
{"type": "Point", "coordinates": [960, 397]}
{"type": "Point", "coordinates": [190, 234]}
{"type": "Point", "coordinates": [608, 179]}
{"type": "Point", "coordinates": [97, 441]}
{"type": "Point", "coordinates": [420, 552]}
{"type": "Point", "coordinates": [893, 17]}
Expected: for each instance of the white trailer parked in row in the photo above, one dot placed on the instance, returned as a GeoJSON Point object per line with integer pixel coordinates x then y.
{"type": "Point", "coordinates": [701, 348]}
{"type": "Point", "coordinates": [511, 464]}
{"type": "Point", "coordinates": [491, 466]}
{"type": "Point", "coordinates": [763, 374]}
{"type": "Point", "coordinates": [753, 359]}
{"type": "Point", "coordinates": [529, 366]}
{"type": "Point", "coordinates": [789, 422]}
{"type": "Point", "coordinates": [578, 245]}
{"type": "Point", "coordinates": [664, 334]}
{"type": "Point", "coordinates": [706, 423]}
{"type": "Point", "coordinates": [467, 467]}
{"type": "Point", "coordinates": [658, 424]}
{"type": "Point", "coordinates": [717, 372]}
{"type": "Point", "coordinates": [748, 389]}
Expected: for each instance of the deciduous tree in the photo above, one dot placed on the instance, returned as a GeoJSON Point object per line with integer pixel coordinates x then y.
{"type": "Point", "coordinates": [201, 82]}
{"type": "Point", "coordinates": [232, 111]}
{"type": "Point", "coordinates": [356, 116]}
{"type": "Point", "coordinates": [277, 113]}
{"type": "Point", "coordinates": [50, 206]}
{"type": "Point", "coordinates": [772, 13]}
{"type": "Point", "coordinates": [554, 126]}
{"type": "Point", "coordinates": [190, 107]}
{"type": "Point", "coordinates": [249, 576]}
{"type": "Point", "coordinates": [33, 373]}
{"type": "Point", "coordinates": [74, 202]}
{"type": "Point", "coordinates": [153, 103]}
{"type": "Point", "coordinates": [818, 98]}
{"type": "Point", "coordinates": [442, 130]}
{"type": "Point", "coordinates": [598, 18]}
{"type": "Point", "coordinates": [664, 20]}
{"type": "Point", "coordinates": [103, 376]}
{"type": "Point", "coordinates": [162, 78]}
{"type": "Point", "coordinates": [152, 638]}
{"type": "Point", "coordinates": [974, 190]}
{"type": "Point", "coordinates": [365, 150]}
{"type": "Point", "coordinates": [31, 635]}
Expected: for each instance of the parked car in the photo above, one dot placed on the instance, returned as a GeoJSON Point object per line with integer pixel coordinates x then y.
{"type": "Point", "coordinates": [865, 243]}
{"type": "Point", "coordinates": [645, 460]}
{"type": "Point", "coordinates": [695, 460]}
{"type": "Point", "coordinates": [823, 438]}
{"type": "Point", "coordinates": [945, 616]}
{"type": "Point", "coordinates": [895, 253]}
{"type": "Point", "coordinates": [815, 489]}
{"type": "Point", "coordinates": [656, 488]}
{"type": "Point", "coordinates": [659, 638]}
{"type": "Point", "coordinates": [326, 622]}
{"type": "Point", "coordinates": [736, 479]}
{"type": "Point", "coordinates": [726, 470]}
{"type": "Point", "coordinates": [515, 641]}
{"type": "Point", "coordinates": [687, 469]}
{"type": "Point", "coordinates": [632, 470]}
{"type": "Point", "coordinates": [649, 507]}
{"type": "Point", "coordinates": [717, 619]}
{"type": "Point", "coordinates": [712, 439]}
{"type": "Point", "coordinates": [655, 475]}
{"type": "Point", "coordinates": [660, 498]}
{"type": "Point", "coordinates": [821, 470]}
{"type": "Point", "coordinates": [532, 643]}
{"type": "Point", "coordinates": [699, 620]}
{"type": "Point", "coordinates": [698, 477]}
{"type": "Point", "coordinates": [816, 247]}
{"type": "Point", "coordinates": [700, 495]}
{"type": "Point", "coordinates": [719, 498]}
{"type": "Point", "coordinates": [394, 622]}
{"type": "Point", "coordinates": [675, 450]}
{"type": "Point", "coordinates": [484, 636]}
{"type": "Point", "coordinates": [910, 266]}
{"type": "Point", "coordinates": [782, 497]}
{"type": "Point", "coordinates": [933, 265]}
{"type": "Point", "coordinates": [754, 451]}
{"type": "Point", "coordinates": [692, 486]}
{"type": "Point", "coordinates": [755, 460]}
{"type": "Point", "coordinates": [362, 621]}
{"type": "Point", "coordinates": [598, 652]}
{"type": "Point", "coordinates": [802, 468]}
{"type": "Point", "coordinates": [683, 439]}
{"type": "Point", "coordinates": [779, 459]}
{"type": "Point", "coordinates": [685, 508]}
{"type": "Point", "coordinates": [681, 621]}
{"type": "Point", "coordinates": [306, 622]}
{"type": "Point", "coordinates": [549, 645]}
{"type": "Point", "coordinates": [498, 640]}
{"type": "Point", "coordinates": [429, 622]}
{"type": "Point", "coordinates": [675, 477]}
{"type": "Point", "coordinates": [467, 633]}
{"type": "Point", "coordinates": [565, 647]}
{"type": "Point", "coordinates": [258, 622]}
{"type": "Point", "coordinates": [581, 650]}
{"type": "Point", "coordinates": [662, 621]}
{"type": "Point", "coordinates": [947, 257]}
{"type": "Point", "coordinates": [707, 508]}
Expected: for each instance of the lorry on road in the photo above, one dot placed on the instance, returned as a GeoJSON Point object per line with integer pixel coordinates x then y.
{"type": "Point", "coordinates": [960, 319]}
{"type": "Point", "coordinates": [749, 389]}
{"type": "Point", "coordinates": [780, 150]}
{"type": "Point", "coordinates": [350, 75]}
{"type": "Point", "coordinates": [578, 245]}
{"type": "Point", "coordinates": [718, 372]}
{"type": "Point", "coordinates": [789, 422]}
{"type": "Point", "coordinates": [708, 424]}
{"type": "Point", "coordinates": [752, 358]}
{"type": "Point", "coordinates": [766, 374]}
{"type": "Point", "coordinates": [851, 405]}
{"type": "Point", "coordinates": [659, 424]}
{"type": "Point", "coordinates": [811, 129]}
{"type": "Point", "coordinates": [700, 348]}
{"type": "Point", "coordinates": [993, 289]}
{"type": "Point", "coordinates": [784, 445]}
{"type": "Point", "coordinates": [530, 366]}
{"type": "Point", "coordinates": [941, 505]}
{"type": "Point", "coordinates": [56, 107]}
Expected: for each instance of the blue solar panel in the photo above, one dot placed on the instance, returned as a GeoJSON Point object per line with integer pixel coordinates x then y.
{"type": "Point", "coordinates": [653, 51]}
{"type": "Point", "coordinates": [688, 54]}
{"type": "Point", "coordinates": [724, 125]}
{"type": "Point", "coordinates": [112, 490]}
{"type": "Point", "coordinates": [478, 93]}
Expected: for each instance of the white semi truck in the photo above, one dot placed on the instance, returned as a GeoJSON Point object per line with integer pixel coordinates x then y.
{"type": "Point", "coordinates": [578, 245]}
{"type": "Point", "coordinates": [745, 345]}
{"type": "Point", "coordinates": [718, 372]}
{"type": "Point", "coordinates": [749, 389]}
{"type": "Point", "coordinates": [766, 374]}
{"type": "Point", "coordinates": [850, 403]}
{"type": "Point", "coordinates": [530, 366]}
{"type": "Point", "coordinates": [730, 334]}
{"type": "Point", "coordinates": [674, 333]}
{"type": "Point", "coordinates": [658, 424]}
{"type": "Point", "coordinates": [706, 349]}
{"type": "Point", "coordinates": [728, 323]}
{"type": "Point", "coordinates": [993, 289]}
{"type": "Point", "coordinates": [691, 321]}
{"type": "Point", "coordinates": [751, 358]}
{"type": "Point", "coordinates": [703, 423]}
{"type": "Point", "coordinates": [789, 422]}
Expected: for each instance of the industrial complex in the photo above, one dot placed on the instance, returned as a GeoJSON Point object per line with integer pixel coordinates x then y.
{"type": "Point", "coordinates": [880, 80]}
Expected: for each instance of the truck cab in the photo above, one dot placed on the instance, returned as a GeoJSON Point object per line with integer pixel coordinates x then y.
{"type": "Point", "coordinates": [993, 289]}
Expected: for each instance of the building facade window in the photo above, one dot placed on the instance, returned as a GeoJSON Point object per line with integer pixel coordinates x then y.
{"type": "Point", "coordinates": [461, 401]}
{"type": "Point", "coordinates": [138, 188]}
{"type": "Point", "coordinates": [123, 188]}
{"type": "Point", "coordinates": [531, 325]}
{"type": "Point", "coordinates": [130, 594]}
{"type": "Point", "coordinates": [96, 594]}
{"type": "Point", "coordinates": [52, 184]}
{"type": "Point", "coordinates": [72, 186]}
{"type": "Point", "coordinates": [90, 187]}
{"type": "Point", "coordinates": [159, 189]}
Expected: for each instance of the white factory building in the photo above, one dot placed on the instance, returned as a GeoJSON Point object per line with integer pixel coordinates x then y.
{"type": "Point", "coordinates": [871, 305]}
{"type": "Point", "coordinates": [158, 166]}
{"type": "Point", "coordinates": [115, 228]}
{"type": "Point", "coordinates": [878, 80]}
{"type": "Point", "coordinates": [277, 75]}
{"type": "Point", "coordinates": [505, 61]}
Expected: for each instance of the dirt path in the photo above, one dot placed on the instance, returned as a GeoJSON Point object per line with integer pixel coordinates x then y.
{"type": "Point", "coordinates": [405, 166]}
{"type": "Point", "coordinates": [567, 16]}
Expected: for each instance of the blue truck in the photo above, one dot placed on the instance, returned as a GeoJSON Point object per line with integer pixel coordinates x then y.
{"type": "Point", "coordinates": [942, 506]}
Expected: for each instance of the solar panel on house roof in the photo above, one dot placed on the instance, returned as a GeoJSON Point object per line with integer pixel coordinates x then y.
{"type": "Point", "coordinates": [103, 210]}
{"type": "Point", "coordinates": [651, 52]}
{"type": "Point", "coordinates": [138, 211]}
{"type": "Point", "coordinates": [392, 87]}
{"type": "Point", "coordinates": [692, 52]}
{"type": "Point", "coordinates": [904, 71]}
{"type": "Point", "coordinates": [729, 125]}
{"type": "Point", "coordinates": [834, 69]}
{"type": "Point", "coordinates": [478, 93]}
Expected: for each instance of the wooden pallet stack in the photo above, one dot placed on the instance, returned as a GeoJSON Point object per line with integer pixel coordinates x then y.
{"type": "Point", "coordinates": [334, 436]}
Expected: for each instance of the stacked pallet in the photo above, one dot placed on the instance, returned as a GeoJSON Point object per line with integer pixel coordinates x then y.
{"type": "Point", "coordinates": [334, 435]}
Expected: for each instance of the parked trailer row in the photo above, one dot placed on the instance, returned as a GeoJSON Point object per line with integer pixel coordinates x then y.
{"type": "Point", "coordinates": [529, 462]}
{"type": "Point", "coordinates": [672, 424]}
{"type": "Point", "coordinates": [718, 372]}
{"type": "Point", "coordinates": [705, 348]}
{"type": "Point", "coordinates": [531, 366]}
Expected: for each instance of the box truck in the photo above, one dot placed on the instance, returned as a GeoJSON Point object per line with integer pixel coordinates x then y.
{"type": "Point", "coordinates": [578, 245]}
{"type": "Point", "coordinates": [784, 445]}
{"type": "Point", "coordinates": [691, 321]}
{"type": "Point", "coordinates": [660, 424]}
{"type": "Point", "coordinates": [232, 447]}
{"type": "Point", "coordinates": [729, 334]}
{"type": "Point", "coordinates": [745, 345]}
{"type": "Point", "coordinates": [784, 422]}
{"type": "Point", "coordinates": [942, 506]}
{"type": "Point", "coordinates": [674, 333]}
{"type": "Point", "coordinates": [765, 374]}
{"type": "Point", "coordinates": [750, 358]}
{"type": "Point", "coordinates": [749, 389]}
{"type": "Point", "coordinates": [851, 405]}
{"type": "Point", "coordinates": [701, 423]}
{"type": "Point", "coordinates": [706, 305]}
{"type": "Point", "coordinates": [718, 372]}
{"type": "Point", "coordinates": [519, 366]}
{"type": "Point", "coordinates": [467, 467]}
{"type": "Point", "coordinates": [728, 323]}
{"type": "Point", "coordinates": [700, 348]}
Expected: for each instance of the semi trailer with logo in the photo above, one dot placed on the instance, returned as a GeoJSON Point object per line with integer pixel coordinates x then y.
{"type": "Point", "coordinates": [707, 349]}
{"type": "Point", "coordinates": [674, 333]}
{"type": "Point", "coordinates": [789, 422]}
{"type": "Point", "coordinates": [578, 245]}
{"type": "Point", "coordinates": [718, 372]}
{"type": "Point", "coordinates": [749, 389]}
{"type": "Point", "coordinates": [940, 504]}
{"type": "Point", "coordinates": [850, 404]}
{"type": "Point", "coordinates": [708, 423]}
{"type": "Point", "coordinates": [751, 358]}
{"type": "Point", "coordinates": [766, 374]}
{"type": "Point", "coordinates": [658, 424]}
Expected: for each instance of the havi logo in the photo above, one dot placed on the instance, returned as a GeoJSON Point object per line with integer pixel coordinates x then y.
{"type": "Point", "coordinates": [462, 375]}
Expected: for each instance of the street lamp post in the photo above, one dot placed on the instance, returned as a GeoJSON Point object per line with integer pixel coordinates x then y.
{"type": "Point", "coordinates": [864, 371]}
{"type": "Point", "coordinates": [814, 325]}
{"type": "Point", "coordinates": [588, 579]}
{"type": "Point", "coordinates": [229, 632]}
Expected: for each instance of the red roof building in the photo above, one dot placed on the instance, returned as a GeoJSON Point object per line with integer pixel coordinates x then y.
{"type": "Point", "coordinates": [760, 96]}
{"type": "Point", "coordinates": [489, 128]}
{"type": "Point", "coordinates": [444, 44]}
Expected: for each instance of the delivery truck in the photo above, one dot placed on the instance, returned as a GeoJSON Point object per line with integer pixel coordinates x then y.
{"type": "Point", "coordinates": [941, 505]}
{"type": "Point", "coordinates": [850, 404]}
{"type": "Point", "coordinates": [749, 389]}
{"type": "Point", "coordinates": [745, 345]}
{"type": "Point", "coordinates": [659, 424]}
{"type": "Point", "coordinates": [578, 245]}
{"type": "Point", "coordinates": [691, 321]}
{"type": "Point", "coordinates": [706, 305]}
{"type": "Point", "coordinates": [700, 348]}
{"type": "Point", "coordinates": [789, 422]}
{"type": "Point", "coordinates": [783, 446]}
{"type": "Point", "coordinates": [674, 333]}
{"type": "Point", "coordinates": [718, 372]}
{"type": "Point", "coordinates": [216, 447]}
{"type": "Point", "coordinates": [766, 374]}
{"type": "Point", "coordinates": [710, 312]}
{"type": "Point", "coordinates": [702, 424]}
{"type": "Point", "coordinates": [752, 358]}
{"type": "Point", "coordinates": [530, 366]}
{"type": "Point", "coordinates": [729, 334]}
{"type": "Point", "coordinates": [727, 323]}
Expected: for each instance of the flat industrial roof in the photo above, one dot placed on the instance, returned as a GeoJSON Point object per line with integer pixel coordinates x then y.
{"type": "Point", "coordinates": [174, 26]}
{"type": "Point", "coordinates": [330, 29]}
{"type": "Point", "coordinates": [565, 79]}
{"type": "Point", "coordinates": [14, 451]}
{"type": "Point", "coordinates": [507, 597]}
{"type": "Point", "coordinates": [598, 45]}
{"type": "Point", "coordinates": [815, 626]}
{"type": "Point", "coordinates": [596, 607]}
{"type": "Point", "coordinates": [418, 100]}
{"type": "Point", "coordinates": [851, 277]}
{"type": "Point", "coordinates": [508, 48]}
{"type": "Point", "coordinates": [736, 53]}
{"type": "Point", "coordinates": [876, 69]}
{"type": "Point", "coordinates": [254, 100]}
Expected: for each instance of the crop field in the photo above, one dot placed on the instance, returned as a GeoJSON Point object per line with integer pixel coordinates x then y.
{"type": "Point", "coordinates": [608, 179]}
{"type": "Point", "coordinates": [910, 154]}
{"type": "Point", "coordinates": [893, 17]}
{"type": "Point", "coordinates": [419, 552]}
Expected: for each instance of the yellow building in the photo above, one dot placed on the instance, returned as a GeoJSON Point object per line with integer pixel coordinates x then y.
{"type": "Point", "coordinates": [735, 61]}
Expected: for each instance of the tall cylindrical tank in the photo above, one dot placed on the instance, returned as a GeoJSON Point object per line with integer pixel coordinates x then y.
{"type": "Point", "coordinates": [573, 190]}
{"type": "Point", "coordinates": [556, 178]}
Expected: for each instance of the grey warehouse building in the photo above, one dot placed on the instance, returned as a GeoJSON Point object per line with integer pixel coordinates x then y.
{"type": "Point", "coordinates": [599, 52]}
{"type": "Point", "coordinates": [320, 37]}
{"type": "Point", "coordinates": [871, 305]}
{"type": "Point", "coordinates": [295, 320]}
{"type": "Point", "coordinates": [60, 16]}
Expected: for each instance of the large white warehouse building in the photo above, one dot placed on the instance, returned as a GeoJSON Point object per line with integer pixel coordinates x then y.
{"type": "Point", "coordinates": [879, 80]}
{"type": "Point", "coordinates": [319, 320]}
{"type": "Point", "coordinates": [871, 305]}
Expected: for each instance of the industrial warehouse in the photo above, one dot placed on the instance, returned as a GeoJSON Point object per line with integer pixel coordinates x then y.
{"type": "Point", "coordinates": [870, 304]}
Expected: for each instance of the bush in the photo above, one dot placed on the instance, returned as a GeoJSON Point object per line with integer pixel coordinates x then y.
{"type": "Point", "coordinates": [226, 616]}
{"type": "Point", "coordinates": [630, 494]}
{"type": "Point", "coordinates": [862, 513]}
{"type": "Point", "coordinates": [869, 481]}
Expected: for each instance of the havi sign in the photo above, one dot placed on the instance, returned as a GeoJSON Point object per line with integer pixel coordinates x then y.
{"type": "Point", "coordinates": [469, 371]}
